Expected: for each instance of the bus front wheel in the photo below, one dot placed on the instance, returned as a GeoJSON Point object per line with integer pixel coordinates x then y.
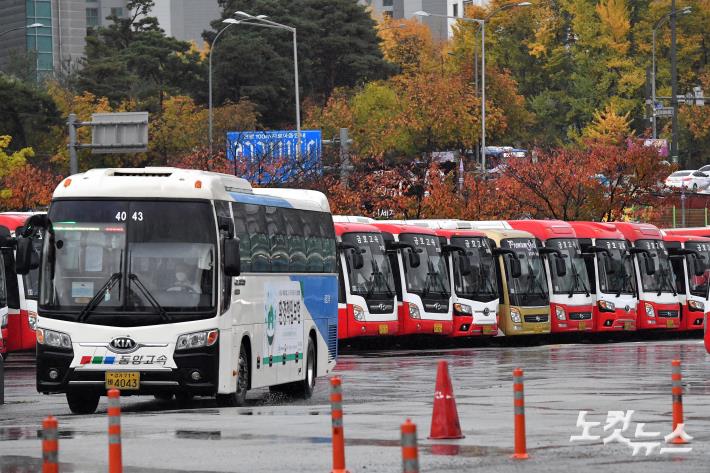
{"type": "Point", "coordinates": [304, 388]}
{"type": "Point", "coordinates": [82, 403]}
{"type": "Point", "coordinates": [239, 397]}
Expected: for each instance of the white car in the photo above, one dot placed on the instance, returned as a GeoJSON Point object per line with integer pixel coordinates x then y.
{"type": "Point", "coordinates": [689, 179]}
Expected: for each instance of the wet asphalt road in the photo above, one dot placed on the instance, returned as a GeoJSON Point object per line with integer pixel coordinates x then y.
{"type": "Point", "coordinates": [381, 390]}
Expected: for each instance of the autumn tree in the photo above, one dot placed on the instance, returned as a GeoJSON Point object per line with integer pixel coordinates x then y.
{"type": "Point", "coordinates": [608, 127]}
{"type": "Point", "coordinates": [28, 187]}
{"type": "Point", "coordinates": [408, 44]}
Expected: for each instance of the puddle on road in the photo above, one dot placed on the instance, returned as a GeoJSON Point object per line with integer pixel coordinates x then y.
{"type": "Point", "coordinates": [22, 433]}
{"type": "Point", "coordinates": [198, 434]}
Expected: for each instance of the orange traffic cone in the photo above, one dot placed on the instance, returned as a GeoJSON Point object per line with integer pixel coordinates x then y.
{"type": "Point", "coordinates": [445, 418]}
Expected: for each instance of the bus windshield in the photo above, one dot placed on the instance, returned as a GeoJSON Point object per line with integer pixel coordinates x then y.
{"type": "Point", "coordinates": [616, 272]}
{"type": "Point", "coordinates": [430, 278]}
{"type": "Point", "coordinates": [663, 279]}
{"type": "Point", "coordinates": [530, 289]}
{"type": "Point", "coordinates": [698, 285]}
{"type": "Point", "coordinates": [375, 278]}
{"type": "Point", "coordinates": [576, 279]}
{"type": "Point", "coordinates": [479, 284]}
{"type": "Point", "coordinates": [153, 260]}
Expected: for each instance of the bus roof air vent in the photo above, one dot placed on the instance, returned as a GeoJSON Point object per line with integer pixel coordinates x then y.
{"type": "Point", "coordinates": [141, 174]}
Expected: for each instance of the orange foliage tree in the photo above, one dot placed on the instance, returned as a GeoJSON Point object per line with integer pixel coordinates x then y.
{"type": "Point", "coordinates": [29, 187]}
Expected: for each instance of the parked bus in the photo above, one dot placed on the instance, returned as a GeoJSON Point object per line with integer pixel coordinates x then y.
{"type": "Point", "coordinates": [421, 279]}
{"type": "Point", "coordinates": [367, 303]}
{"type": "Point", "coordinates": [567, 277]}
{"type": "Point", "coordinates": [471, 266]}
{"type": "Point", "coordinates": [690, 256]}
{"type": "Point", "coordinates": [611, 274]}
{"type": "Point", "coordinates": [168, 281]}
{"type": "Point", "coordinates": [21, 290]}
{"type": "Point", "coordinates": [524, 300]}
{"type": "Point", "coordinates": [657, 295]}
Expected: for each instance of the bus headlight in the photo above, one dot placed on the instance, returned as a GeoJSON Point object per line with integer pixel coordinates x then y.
{"type": "Point", "coordinates": [358, 313]}
{"type": "Point", "coordinates": [32, 320]}
{"type": "Point", "coordinates": [53, 339]}
{"type": "Point", "coordinates": [197, 340]}
{"type": "Point", "coordinates": [515, 315]}
{"type": "Point", "coordinates": [649, 310]}
{"type": "Point", "coordinates": [697, 306]}
{"type": "Point", "coordinates": [560, 313]}
{"type": "Point", "coordinates": [462, 309]}
{"type": "Point", "coordinates": [606, 306]}
{"type": "Point", "coordinates": [414, 312]}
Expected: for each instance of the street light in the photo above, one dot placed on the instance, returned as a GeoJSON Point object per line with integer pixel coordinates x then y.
{"type": "Point", "coordinates": [260, 20]}
{"type": "Point", "coordinates": [32, 26]}
{"type": "Point", "coordinates": [229, 22]}
{"type": "Point", "coordinates": [659, 23]}
{"type": "Point", "coordinates": [482, 23]}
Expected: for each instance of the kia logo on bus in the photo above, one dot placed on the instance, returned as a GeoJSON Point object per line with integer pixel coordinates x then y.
{"type": "Point", "coordinates": [627, 308]}
{"type": "Point", "coordinates": [486, 311]}
{"type": "Point", "coordinates": [123, 345]}
{"type": "Point", "coordinates": [382, 307]}
{"type": "Point", "coordinates": [437, 306]}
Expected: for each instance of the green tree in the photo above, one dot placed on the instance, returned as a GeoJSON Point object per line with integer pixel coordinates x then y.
{"type": "Point", "coordinates": [337, 47]}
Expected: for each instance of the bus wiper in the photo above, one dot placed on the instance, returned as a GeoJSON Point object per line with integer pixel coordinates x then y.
{"type": "Point", "coordinates": [665, 280]}
{"type": "Point", "coordinates": [577, 282]}
{"type": "Point", "coordinates": [98, 297]}
{"type": "Point", "coordinates": [146, 293]}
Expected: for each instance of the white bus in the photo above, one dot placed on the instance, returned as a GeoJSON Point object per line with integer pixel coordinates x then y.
{"type": "Point", "coordinates": [167, 281]}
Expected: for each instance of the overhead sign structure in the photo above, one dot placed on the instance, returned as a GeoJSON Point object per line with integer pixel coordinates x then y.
{"type": "Point", "coordinates": [121, 132]}
{"type": "Point", "coordinates": [272, 154]}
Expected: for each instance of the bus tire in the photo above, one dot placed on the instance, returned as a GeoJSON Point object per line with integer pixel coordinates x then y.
{"type": "Point", "coordinates": [238, 398]}
{"type": "Point", "coordinates": [304, 388]}
{"type": "Point", "coordinates": [82, 403]}
{"type": "Point", "coordinates": [165, 397]}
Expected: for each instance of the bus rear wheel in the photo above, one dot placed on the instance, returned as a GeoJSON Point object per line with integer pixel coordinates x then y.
{"type": "Point", "coordinates": [82, 403]}
{"type": "Point", "coordinates": [304, 388]}
{"type": "Point", "coordinates": [238, 398]}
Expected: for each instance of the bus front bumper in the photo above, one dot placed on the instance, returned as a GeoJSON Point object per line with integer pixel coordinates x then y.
{"type": "Point", "coordinates": [372, 328]}
{"type": "Point", "coordinates": [55, 375]}
{"type": "Point", "coordinates": [618, 321]}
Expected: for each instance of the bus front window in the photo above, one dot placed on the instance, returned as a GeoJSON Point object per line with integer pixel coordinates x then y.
{"type": "Point", "coordinates": [662, 278]}
{"type": "Point", "coordinates": [698, 285]}
{"type": "Point", "coordinates": [374, 279]}
{"type": "Point", "coordinates": [530, 289]}
{"type": "Point", "coordinates": [616, 272]}
{"type": "Point", "coordinates": [575, 280]}
{"type": "Point", "coordinates": [148, 258]}
{"type": "Point", "coordinates": [430, 277]}
{"type": "Point", "coordinates": [479, 284]}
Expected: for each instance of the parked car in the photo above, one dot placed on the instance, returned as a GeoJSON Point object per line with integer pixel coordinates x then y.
{"type": "Point", "coordinates": [689, 179]}
{"type": "Point", "coordinates": [705, 169]}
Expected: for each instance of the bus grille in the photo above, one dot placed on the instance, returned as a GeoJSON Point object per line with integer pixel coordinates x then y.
{"type": "Point", "coordinates": [332, 342]}
{"type": "Point", "coordinates": [668, 313]}
{"type": "Point", "coordinates": [580, 315]}
{"type": "Point", "coordinates": [533, 319]}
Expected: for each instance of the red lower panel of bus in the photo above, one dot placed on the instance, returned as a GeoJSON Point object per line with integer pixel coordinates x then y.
{"type": "Point", "coordinates": [19, 334]}
{"type": "Point", "coordinates": [665, 316]}
{"type": "Point", "coordinates": [410, 326]}
{"type": "Point", "coordinates": [348, 327]}
{"type": "Point", "coordinates": [577, 319]}
{"type": "Point", "coordinates": [691, 319]}
{"type": "Point", "coordinates": [618, 321]}
{"type": "Point", "coordinates": [463, 326]}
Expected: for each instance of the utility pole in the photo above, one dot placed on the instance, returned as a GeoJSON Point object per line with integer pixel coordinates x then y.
{"type": "Point", "coordinates": [344, 157]}
{"type": "Point", "coordinates": [674, 86]}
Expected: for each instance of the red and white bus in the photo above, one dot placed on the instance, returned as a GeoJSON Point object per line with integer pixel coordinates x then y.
{"type": "Point", "coordinates": [367, 303]}
{"type": "Point", "coordinates": [690, 256]}
{"type": "Point", "coordinates": [421, 279]}
{"type": "Point", "coordinates": [22, 291]}
{"type": "Point", "coordinates": [658, 305]}
{"type": "Point", "coordinates": [611, 274]}
{"type": "Point", "coordinates": [567, 277]}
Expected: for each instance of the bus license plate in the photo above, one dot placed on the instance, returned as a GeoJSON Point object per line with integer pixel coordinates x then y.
{"type": "Point", "coordinates": [438, 328]}
{"type": "Point", "coordinates": [487, 329]}
{"type": "Point", "coordinates": [582, 326]}
{"type": "Point", "coordinates": [384, 329]}
{"type": "Point", "coordinates": [124, 380]}
{"type": "Point", "coordinates": [670, 323]}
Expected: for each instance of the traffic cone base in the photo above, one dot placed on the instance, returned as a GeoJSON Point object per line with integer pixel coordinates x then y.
{"type": "Point", "coordinates": [520, 456]}
{"type": "Point", "coordinates": [445, 417]}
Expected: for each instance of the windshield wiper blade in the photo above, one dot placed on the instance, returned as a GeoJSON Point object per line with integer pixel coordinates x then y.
{"type": "Point", "coordinates": [146, 293]}
{"type": "Point", "coordinates": [99, 296]}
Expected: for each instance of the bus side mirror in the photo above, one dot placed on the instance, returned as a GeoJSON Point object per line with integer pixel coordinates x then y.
{"type": "Point", "coordinates": [23, 255]}
{"type": "Point", "coordinates": [414, 260]}
{"type": "Point", "coordinates": [648, 263]}
{"type": "Point", "coordinates": [560, 266]}
{"type": "Point", "coordinates": [464, 264]}
{"type": "Point", "coordinates": [515, 269]}
{"type": "Point", "coordinates": [698, 265]}
{"type": "Point", "coordinates": [609, 264]}
{"type": "Point", "coordinates": [356, 259]}
{"type": "Point", "coordinates": [232, 258]}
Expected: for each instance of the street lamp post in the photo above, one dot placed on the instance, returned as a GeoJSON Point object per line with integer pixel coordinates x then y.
{"type": "Point", "coordinates": [32, 26]}
{"type": "Point", "coordinates": [659, 23]}
{"type": "Point", "coordinates": [482, 23]}
{"type": "Point", "coordinates": [260, 20]}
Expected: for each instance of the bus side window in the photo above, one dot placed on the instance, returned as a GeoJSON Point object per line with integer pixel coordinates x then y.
{"type": "Point", "coordinates": [296, 241]}
{"type": "Point", "coordinates": [241, 232]}
{"type": "Point", "coordinates": [277, 239]}
{"type": "Point", "coordinates": [259, 238]}
{"type": "Point", "coordinates": [327, 233]}
{"type": "Point", "coordinates": [314, 244]}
